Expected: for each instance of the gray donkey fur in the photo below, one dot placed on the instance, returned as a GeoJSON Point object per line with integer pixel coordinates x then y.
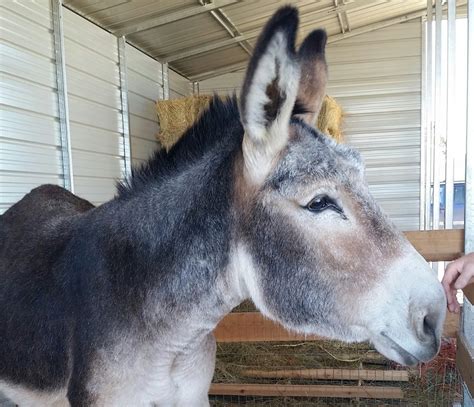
{"type": "Point", "coordinates": [115, 305]}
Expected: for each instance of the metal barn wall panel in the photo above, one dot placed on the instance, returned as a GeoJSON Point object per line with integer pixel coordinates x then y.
{"type": "Point", "coordinates": [30, 153]}
{"type": "Point", "coordinates": [179, 85]}
{"type": "Point", "coordinates": [145, 87]}
{"type": "Point", "coordinates": [94, 108]}
{"type": "Point", "coordinates": [376, 77]}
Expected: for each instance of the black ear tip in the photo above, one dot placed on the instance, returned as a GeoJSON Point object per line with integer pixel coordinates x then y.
{"type": "Point", "coordinates": [314, 43]}
{"type": "Point", "coordinates": [286, 16]}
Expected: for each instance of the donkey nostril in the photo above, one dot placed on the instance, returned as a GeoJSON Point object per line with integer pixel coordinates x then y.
{"type": "Point", "coordinates": [428, 326]}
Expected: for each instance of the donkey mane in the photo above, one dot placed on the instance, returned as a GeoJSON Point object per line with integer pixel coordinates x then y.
{"type": "Point", "coordinates": [219, 125]}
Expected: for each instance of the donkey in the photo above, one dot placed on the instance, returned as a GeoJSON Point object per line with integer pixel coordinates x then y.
{"type": "Point", "coordinates": [115, 305]}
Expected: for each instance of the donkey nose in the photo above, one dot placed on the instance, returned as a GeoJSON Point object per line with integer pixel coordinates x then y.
{"type": "Point", "coordinates": [430, 324]}
{"type": "Point", "coordinates": [428, 329]}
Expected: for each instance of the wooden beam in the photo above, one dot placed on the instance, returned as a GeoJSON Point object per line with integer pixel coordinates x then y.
{"type": "Point", "coordinates": [465, 361]}
{"type": "Point", "coordinates": [173, 16]}
{"type": "Point", "coordinates": [286, 390]}
{"type": "Point", "coordinates": [331, 374]}
{"type": "Point", "coordinates": [438, 245]}
{"type": "Point", "coordinates": [254, 327]}
{"type": "Point", "coordinates": [469, 293]}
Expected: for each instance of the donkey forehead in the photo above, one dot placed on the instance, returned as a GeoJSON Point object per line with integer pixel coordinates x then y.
{"type": "Point", "coordinates": [312, 157]}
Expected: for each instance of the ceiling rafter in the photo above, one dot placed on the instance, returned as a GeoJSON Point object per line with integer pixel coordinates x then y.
{"type": "Point", "coordinates": [229, 26]}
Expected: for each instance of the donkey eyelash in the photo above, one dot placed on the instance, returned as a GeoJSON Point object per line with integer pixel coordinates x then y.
{"type": "Point", "coordinates": [322, 202]}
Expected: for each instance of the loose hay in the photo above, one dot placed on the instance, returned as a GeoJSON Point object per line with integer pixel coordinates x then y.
{"type": "Point", "coordinates": [176, 115]}
{"type": "Point", "coordinates": [330, 119]}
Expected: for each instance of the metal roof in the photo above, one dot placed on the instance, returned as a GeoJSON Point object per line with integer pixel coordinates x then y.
{"type": "Point", "coordinates": [202, 38]}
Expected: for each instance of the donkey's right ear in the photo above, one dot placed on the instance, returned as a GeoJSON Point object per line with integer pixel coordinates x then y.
{"type": "Point", "coordinates": [269, 93]}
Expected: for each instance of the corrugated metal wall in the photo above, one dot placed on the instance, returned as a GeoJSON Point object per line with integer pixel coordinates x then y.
{"type": "Point", "coordinates": [30, 151]}
{"type": "Point", "coordinates": [93, 82]}
{"type": "Point", "coordinates": [376, 77]}
{"type": "Point", "coordinates": [145, 87]}
{"type": "Point", "coordinates": [179, 85]}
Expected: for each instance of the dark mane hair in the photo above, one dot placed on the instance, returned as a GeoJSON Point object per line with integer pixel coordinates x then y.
{"type": "Point", "coordinates": [219, 123]}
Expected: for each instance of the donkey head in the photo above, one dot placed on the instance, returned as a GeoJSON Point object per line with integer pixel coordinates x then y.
{"type": "Point", "coordinates": [313, 249]}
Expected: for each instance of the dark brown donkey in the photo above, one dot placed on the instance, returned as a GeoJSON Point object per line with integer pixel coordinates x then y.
{"type": "Point", "coordinates": [115, 305]}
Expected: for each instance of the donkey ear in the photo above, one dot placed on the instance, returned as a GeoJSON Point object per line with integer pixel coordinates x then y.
{"type": "Point", "coordinates": [269, 93]}
{"type": "Point", "coordinates": [312, 87]}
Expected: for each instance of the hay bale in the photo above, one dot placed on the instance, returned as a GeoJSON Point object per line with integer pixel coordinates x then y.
{"type": "Point", "coordinates": [330, 119]}
{"type": "Point", "coordinates": [176, 115]}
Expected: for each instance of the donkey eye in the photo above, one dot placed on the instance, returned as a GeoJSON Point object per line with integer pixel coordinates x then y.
{"type": "Point", "coordinates": [323, 202]}
{"type": "Point", "coordinates": [318, 204]}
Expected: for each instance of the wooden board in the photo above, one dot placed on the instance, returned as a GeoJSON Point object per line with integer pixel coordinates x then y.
{"type": "Point", "coordinates": [465, 362]}
{"type": "Point", "coordinates": [331, 374]}
{"type": "Point", "coordinates": [469, 293]}
{"type": "Point", "coordinates": [254, 327]}
{"type": "Point", "coordinates": [438, 245]}
{"type": "Point", "coordinates": [287, 390]}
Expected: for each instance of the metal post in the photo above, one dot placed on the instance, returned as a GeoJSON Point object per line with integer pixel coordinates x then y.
{"type": "Point", "coordinates": [165, 80]}
{"type": "Point", "coordinates": [63, 109]}
{"type": "Point", "coordinates": [438, 114]}
{"type": "Point", "coordinates": [127, 151]}
{"type": "Point", "coordinates": [450, 111]}
{"type": "Point", "coordinates": [428, 109]}
{"type": "Point", "coordinates": [467, 327]}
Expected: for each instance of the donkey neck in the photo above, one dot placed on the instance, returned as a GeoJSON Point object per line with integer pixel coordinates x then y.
{"type": "Point", "coordinates": [180, 244]}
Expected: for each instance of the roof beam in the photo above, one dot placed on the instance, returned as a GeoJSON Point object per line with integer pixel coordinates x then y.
{"type": "Point", "coordinates": [173, 16]}
{"type": "Point", "coordinates": [219, 71]}
{"type": "Point", "coordinates": [205, 48]}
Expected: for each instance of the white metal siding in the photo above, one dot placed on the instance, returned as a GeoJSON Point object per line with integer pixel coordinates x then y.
{"type": "Point", "coordinates": [145, 87]}
{"type": "Point", "coordinates": [93, 81]}
{"type": "Point", "coordinates": [30, 152]}
{"type": "Point", "coordinates": [376, 77]}
{"type": "Point", "coordinates": [179, 85]}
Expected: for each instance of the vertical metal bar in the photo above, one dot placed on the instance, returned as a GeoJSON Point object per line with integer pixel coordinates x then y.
{"type": "Point", "coordinates": [63, 108]}
{"type": "Point", "coordinates": [468, 309]}
{"type": "Point", "coordinates": [166, 84]}
{"type": "Point", "coordinates": [469, 208]}
{"type": "Point", "coordinates": [450, 112]}
{"type": "Point", "coordinates": [122, 43]}
{"type": "Point", "coordinates": [438, 117]}
{"type": "Point", "coordinates": [423, 136]}
{"type": "Point", "coordinates": [428, 112]}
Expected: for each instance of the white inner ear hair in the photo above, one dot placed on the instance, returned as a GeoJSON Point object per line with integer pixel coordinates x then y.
{"type": "Point", "coordinates": [262, 144]}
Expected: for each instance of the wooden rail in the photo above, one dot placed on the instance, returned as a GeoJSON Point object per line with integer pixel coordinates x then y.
{"type": "Point", "coordinates": [254, 327]}
{"type": "Point", "coordinates": [465, 362]}
{"type": "Point", "coordinates": [293, 390]}
{"type": "Point", "coordinates": [438, 245]}
{"type": "Point", "coordinates": [331, 374]}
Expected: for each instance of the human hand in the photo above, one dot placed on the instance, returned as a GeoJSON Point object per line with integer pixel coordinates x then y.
{"type": "Point", "coordinates": [458, 274]}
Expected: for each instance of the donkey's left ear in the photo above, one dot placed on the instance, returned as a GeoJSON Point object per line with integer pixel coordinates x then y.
{"type": "Point", "coordinates": [312, 87]}
{"type": "Point", "coordinates": [269, 93]}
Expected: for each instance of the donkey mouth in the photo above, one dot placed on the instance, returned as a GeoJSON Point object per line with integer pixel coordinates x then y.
{"type": "Point", "coordinates": [408, 358]}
